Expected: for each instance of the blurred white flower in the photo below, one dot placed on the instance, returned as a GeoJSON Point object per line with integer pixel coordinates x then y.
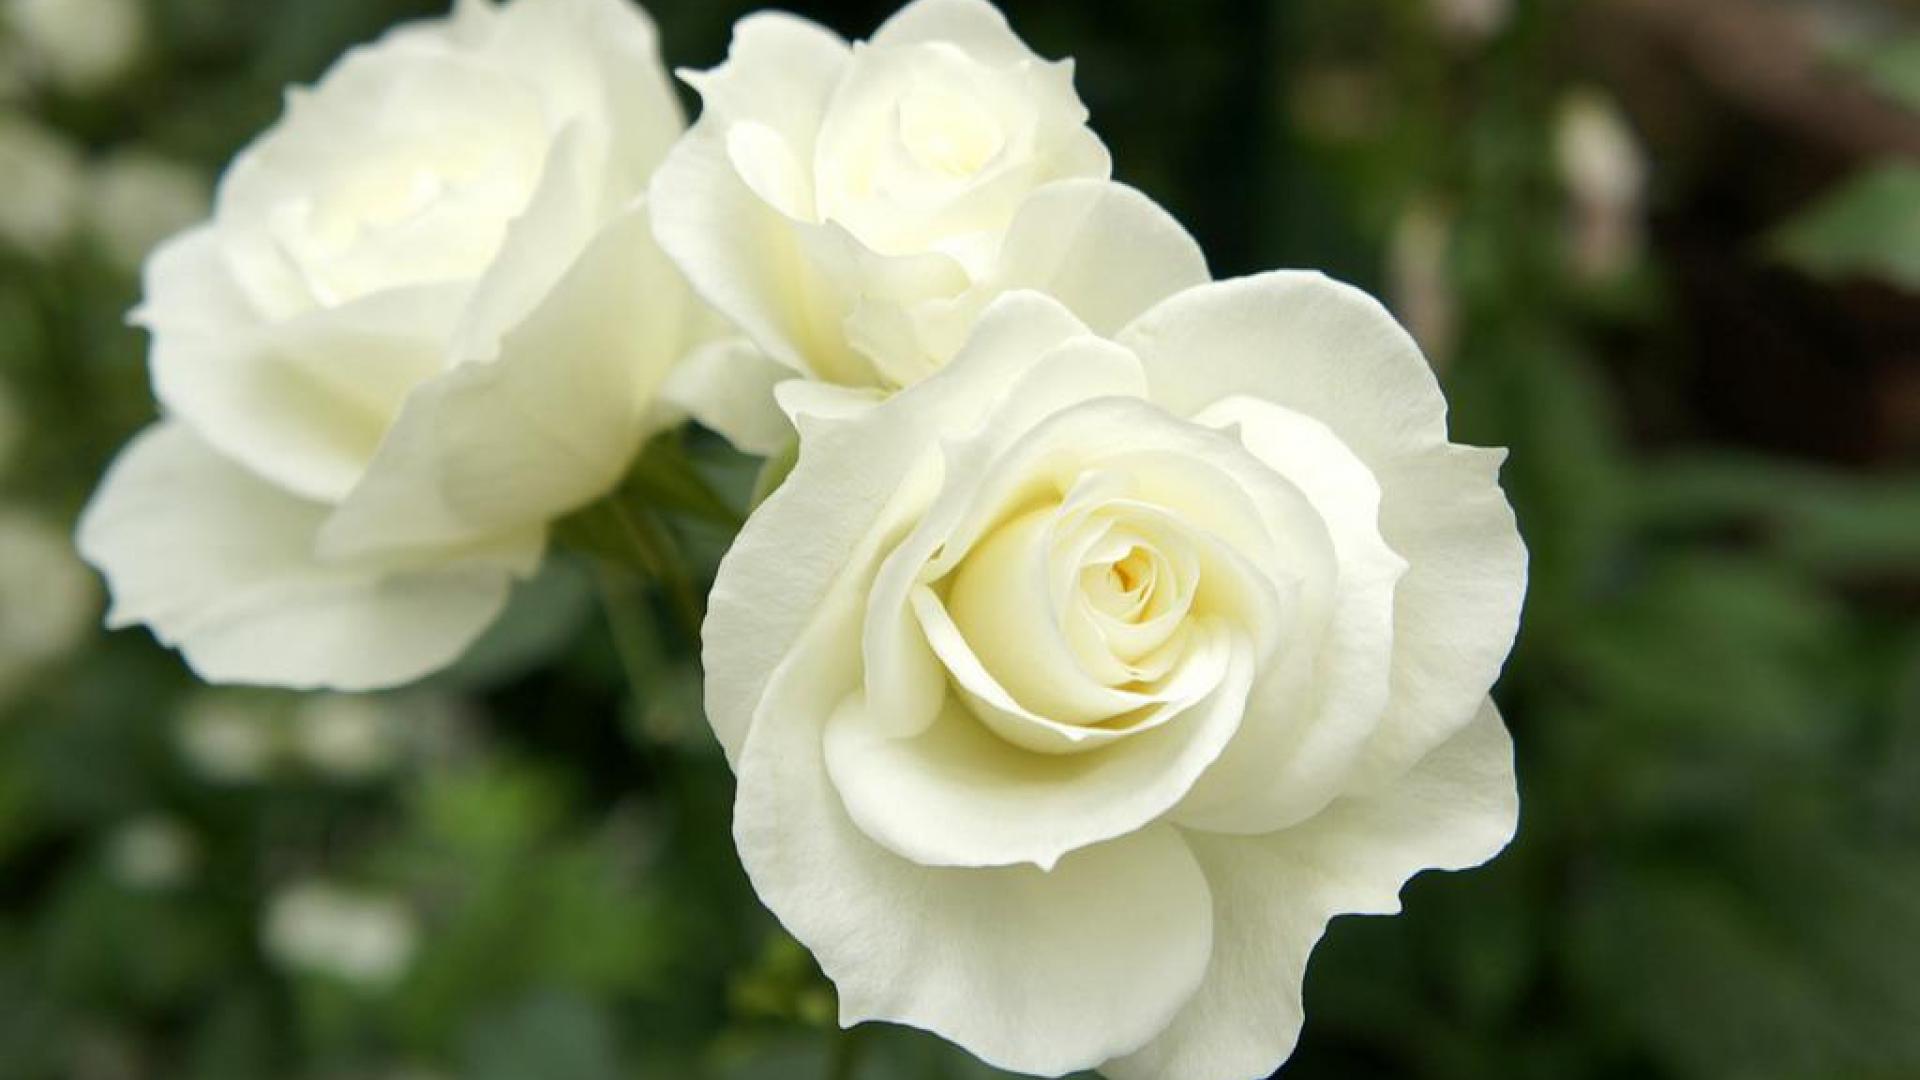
{"type": "Point", "coordinates": [229, 737]}
{"type": "Point", "coordinates": [1604, 168]}
{"type": "Point", "coordinates": [1419, 283]}
{"type": "Point", "coordinates": [136, 199]}
{"type": "Point", "coordinates": [79, 45]}
{"type": "Point", "coordinates": [1472, 20]}
{"type": "Point", "coordinates": [43, 176]}
{"type": "Point", "coordinates": [47, 598]}
{"type": "Point", "coordinates": [347, 737]}
{"type": "Point", "coordinates": [153, 852]}
{"type": "Point", "coordinates": [319, 928]}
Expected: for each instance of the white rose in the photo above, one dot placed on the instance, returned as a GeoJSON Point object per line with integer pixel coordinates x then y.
{"type": "Point", "coordinates": [1071, 691]}
{"type": "Point", "coordinates": [853, 209]}
{"type": "Point", "coordinates": [426, 318]}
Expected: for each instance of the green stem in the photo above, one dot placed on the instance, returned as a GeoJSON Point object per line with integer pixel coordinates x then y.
{"type": "Point", "coordinates": [629, 632]}
{"type": "Point", "coordinates": [843, 1055]}
{"type": "Point", "coordinates": [655, 551]}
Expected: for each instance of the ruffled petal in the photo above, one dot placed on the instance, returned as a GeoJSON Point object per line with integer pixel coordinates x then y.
{"type": "Point", "coordinates": [958, 794]}
{"type": "Point", "coordinates": [976, 26]}
{"type": "Point", "coordinates": [221, 564]}
{"type": "Point", "coordinates": [833, 518]}
{"type": "Point", "coordinates": [552, 424]}
{"type": "Point", "coordinates": [1031, 971]}
{"type": "Point", "coordinates": [1331, 353]}
{"type": "Point", "coordinates": [1273, 897]}
{"type": "Point", "coordinates": [1303, 735]}
{"type": "Point", "coordinates": [304, 401]}
{"type": "Point", "coordinates": [728, 386]}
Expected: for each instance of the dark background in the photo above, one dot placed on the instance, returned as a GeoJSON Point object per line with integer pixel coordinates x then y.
{"type": "Point", "coordinates": [1668, 251]}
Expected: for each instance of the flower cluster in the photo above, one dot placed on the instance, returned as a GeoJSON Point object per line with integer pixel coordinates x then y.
{"type": "Point", "coordinates": [1115, 628]}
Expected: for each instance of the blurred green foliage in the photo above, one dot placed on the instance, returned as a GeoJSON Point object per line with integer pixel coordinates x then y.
{"type": "Point", "coordinates": [1716, 693]}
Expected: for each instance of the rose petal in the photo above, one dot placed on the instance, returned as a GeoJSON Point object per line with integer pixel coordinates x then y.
{"type": "Point", "coordinates": [974, 25]}
{"type": "Point", "coordinates": [746, 260]}
{"type": "Point", "coordinates": [780, 71]}
{"type": "Point", "coordinates": [1304, 342]}
{"type": "Point", "coordinates": [548, 427]}
{"type": "Point", "coordinates": [902, 676]}
{"type": "Point", "coordinates": [1103, 249]}
{"type": "Point", "coordinates": [993, 706]}
{"type": "Point", "coordinates": [728, 386]}
{"type": "Point", "coordinates": [596, 59]}
{"type": "Point", "coordinates": [540, 247]}
{"type": "Point", "coordinates": [957, 794]}
{"type": "Point", "coordinates": [304, 402]}
{"type": "Point", "coordinates": [1458, 607]}
{"type": "Point", "coordinates": [825, 522]}
{"type": "Point", "coordinates": [1300, 741]}
{"type": "Point", "coordinates": [1031, 971]}
{"type": "Point", "coordinates": [221, 564]}
{"type": "Point", "coordinates": [1332, 353]}
{"type": "Point", "coordinates": [1274, 895]}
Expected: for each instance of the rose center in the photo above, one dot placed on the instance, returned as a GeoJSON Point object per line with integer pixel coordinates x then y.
{"type": "Point", "coordinates": [948, 133]}
{"type": "Point", "coordinates": [1123, 588]}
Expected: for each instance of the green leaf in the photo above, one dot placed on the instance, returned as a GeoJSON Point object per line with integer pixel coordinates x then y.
{"type": "Point", "coordinates": [667, 478]}
{"type": "Point", "coordinates": [1870, 227]}
{"type": "Point", "coordinates": [1892, 66]}
{"type": "Point", "coordinates": [552, 1036]}
{"type": "Point", "coordinates": [1828, 522]}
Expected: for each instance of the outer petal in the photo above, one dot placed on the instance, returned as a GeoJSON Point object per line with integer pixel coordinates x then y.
{"type": "Point", "coordinates": [780, 72]}
{"type": "Point", "coordinates": [728, 386]}
{"type": "Point", "coordinates": [1037, 972]}
{"type": "Point", "coordinates": [745, 258]}
{"type": "Point", "coordinates": [974, 25]}
{"type": "Point", "coordinates": [1300, 340]}
{"type": "Point", "coordinates": [1274, 895]}
{"type": "Point", "coordinates": [1332, 353]}
{"type": "Point", "coordinates": [551, 425]}
{"type": "Point", "coordinates": [623, 80]}
{"type": "Point", "coordinates": [1103, 249]}
{"type": "Point", "coordinates": [1458, 607]}
{"type": "Point", "coordinates": [540, 246]}
{"type": "Point", "coordinates": [221, 564]}
{"type": "Point", "coordinates": [304, 401]}
{"type": "Point", "coordinates": [742, 254]}
{"type": "Point", "coordinates": [1298, 746]}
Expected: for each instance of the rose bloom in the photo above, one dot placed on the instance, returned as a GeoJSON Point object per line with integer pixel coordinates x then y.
{"type": "Point", "coordinates": [1072, 690]}
{"type": "Point", "coordinates": [853, 209]}
{"type": "Point", "coordinates": [426, 318]}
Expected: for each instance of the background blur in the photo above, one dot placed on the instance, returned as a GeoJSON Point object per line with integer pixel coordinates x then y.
{"type": "Point", "coordinates": [1666, 250]}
